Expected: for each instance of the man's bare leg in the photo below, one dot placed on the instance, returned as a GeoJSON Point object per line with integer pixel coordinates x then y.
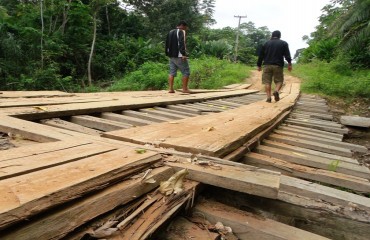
{"type": "Point", "coordinates": [170, 83]}
{"type": "Point", "coordinates": [185, 81]}
{"type": "Point", "coordinates": [276, 92]}
{"type": "Point", "coordinates": [268, 91]}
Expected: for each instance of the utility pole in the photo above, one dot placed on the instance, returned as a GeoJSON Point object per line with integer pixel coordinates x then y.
{"type": "Point", "coordinates": [237, 37]}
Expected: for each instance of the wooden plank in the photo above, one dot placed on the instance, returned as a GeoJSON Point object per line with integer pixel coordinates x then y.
{"type": "Point", "coordinates": [330, 134]}
{"type": "Point", "coordinates": [295, 170]}
{"type": "Point", "coordinates": [122, 101]}
{"type": "Point", "coordinates": [214, 136]}
{"type": "Point", "coordinates": [160, 113]}
{"type": "Point", "coordinates": [319, 139]}
{"type": "Point", "coordinates": [42, 148]}
{"type": "Point", "coordinates": [255, 141]}
{"type": "Point", "coordinates": [32, 193]}
{"type": "Point", "coordinates": [317, 126]}
{"type": "Point", "coordinates": [181, 108]}
{"type": "Point", "coordinates": [59, 223]}
{"type": "Point", "coordinates": [313, 215]}
{"type": "Point", "coordinates": [145, 116]}
{"type": "Point", "coordinates": [59, 123]}
{"type": "Point", "coordinates": [307, 151]}
{"type": "Point", "coordinates": [315, 161]}
{"type": "Point", "coordinates": [326, 123]}
{"type": "Point", "coordinates": [356, 121]}
{"type": "Point", "coordinates": [311, 145]}
{"type": "Point", "coordinates": [324, 193]}
{"type": "Point", "coordinates": [125, 119]}
{"type": "Point", "coordinates": [19, 166]}
{"type": "Point", "coordinates": [99, 123]}
{"type": "Point", "coordinates": [247, 225]}
{"type": "Point", "coordinates": [30, 130]}
{"type": "Point", "coordinates": [176, 112]}
{"type": "Point", "coordinates": [327, 117]}
{"type": "Point", "coordinates": [242, 180]}
{"type": "Point", "coordinates": [34, 94]}
{"type": "Point", "coordinates": [307, 132]}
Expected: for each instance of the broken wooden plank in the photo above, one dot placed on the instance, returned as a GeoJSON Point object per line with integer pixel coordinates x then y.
{"type": "Point", "coordinates": [247, 225]}
{"type": "Point", "coordinates": [59, 223]}
{"type": "Point", "coordinates": [234, 178]}
{"type": "Point", "coordinates": [18, 166]}
{"type": "Point", "coordinates": [181, 228]}
{"type": "Point", "coordinates": [355, 121]}
{"type": "Point", "coordinates": [291, 169]}
{"type": "Point", "coordinates": [157, 213]}
{"type": "Point", "coordinates": [29, 194]}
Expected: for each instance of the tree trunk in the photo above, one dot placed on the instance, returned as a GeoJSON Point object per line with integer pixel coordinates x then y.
{"type": "Point", "coordinates": [42, 33]}
{"type": "Point", "coordinates": [92, 51]}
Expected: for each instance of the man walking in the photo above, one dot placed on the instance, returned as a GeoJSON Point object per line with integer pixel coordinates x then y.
{"type": "Point", "coordinates": [272, 55]}
{"type": "Point", "coordinates": [176, 50]}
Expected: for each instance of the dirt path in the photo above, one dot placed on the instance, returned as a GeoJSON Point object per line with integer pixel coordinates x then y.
{"type": "Point", "coordinates": [256, 80]}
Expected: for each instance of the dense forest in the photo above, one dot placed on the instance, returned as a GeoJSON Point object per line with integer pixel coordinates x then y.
{"type": "Point", "coordinates": [74, 45]}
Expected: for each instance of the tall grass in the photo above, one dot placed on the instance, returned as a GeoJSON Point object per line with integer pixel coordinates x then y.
{"type": "Point", "coordinates": [333, 79]}
{"type": "Point", "coordinates": [206, 73]}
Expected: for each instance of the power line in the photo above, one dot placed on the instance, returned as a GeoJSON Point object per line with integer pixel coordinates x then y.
{"type": "Point", "coordinates": [237, 37]}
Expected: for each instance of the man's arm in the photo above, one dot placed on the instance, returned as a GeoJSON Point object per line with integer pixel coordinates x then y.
{"type": "Point", "coordinates": [182, 44]}
{"type": "Point", "coordinates": [261, 56]}
{"type": "Point", "coordinates": [288, 58]}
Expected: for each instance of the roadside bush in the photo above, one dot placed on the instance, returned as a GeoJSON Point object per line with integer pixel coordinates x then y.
{"type": "Point", "coordinates": [206, 73]}
{"type": "Point", "coordinates": [333, 79]}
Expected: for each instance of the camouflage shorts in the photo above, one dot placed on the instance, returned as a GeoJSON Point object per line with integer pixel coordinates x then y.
{"type": "Point", "coordinates": [272, 72]}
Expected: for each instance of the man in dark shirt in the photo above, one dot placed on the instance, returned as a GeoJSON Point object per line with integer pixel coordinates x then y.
{"type": "Point", "coordinates": [176, 51]}
{"type": "Point", "coordinates": [272, 55]}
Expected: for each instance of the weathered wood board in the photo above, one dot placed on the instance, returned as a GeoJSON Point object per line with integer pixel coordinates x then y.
{"type": "Point", "coordinates": [32, 193]}
{"type": "Point", "coordinates": [243, 180]}
{"type": "Point", "coordinates": [59, 223]}
{"type": "Point", "coordinates": [247, 226]}
{"type": "Point", "coordinates": [355, 121]}
{"type": "Point", "coordinates": [214, 136]}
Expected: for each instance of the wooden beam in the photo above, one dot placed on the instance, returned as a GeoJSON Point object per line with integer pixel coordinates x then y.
{"type": "Point", "coordinates": [59, 223]}
{"type": "Point", "coordinates": [29, 194]}
{"type": "Point", "coordinates": [316, 161]}
{"type": "Point", "coordinates": [59, 123]}
{"type": "Point", "coordinates": [234, 178]}
{"type": "Point", "coordinates": [325, 176]}
{"type": "Point", "coordinates": [247, 225]}
{"type": "Point", "coordinates": [99, 123]}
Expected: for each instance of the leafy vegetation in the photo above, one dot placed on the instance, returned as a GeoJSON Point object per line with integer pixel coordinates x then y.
{"type": "Point", "coordinates": [342, 35]}
{"type": "Point", "coordinates": [333, 79]}
{"type": "Point", "coordinates": [85, 45]}
{"type": "Point", "coordinates": [207, 73]}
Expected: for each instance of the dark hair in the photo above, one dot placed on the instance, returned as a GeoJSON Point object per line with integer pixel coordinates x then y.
{"type": "Point", "coordinates": [182, 22]}
{"type": "Point", "coordinates": [276, 34]}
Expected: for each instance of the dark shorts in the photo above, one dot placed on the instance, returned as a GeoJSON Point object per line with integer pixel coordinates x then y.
{"type": "Point", "coordinates": [179, 64]}
{"type": "Point", "coordinates": [272, 72]}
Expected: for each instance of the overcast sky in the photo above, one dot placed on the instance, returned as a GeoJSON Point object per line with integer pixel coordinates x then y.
{"type": "Point", "coordinates": [294, 18]}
